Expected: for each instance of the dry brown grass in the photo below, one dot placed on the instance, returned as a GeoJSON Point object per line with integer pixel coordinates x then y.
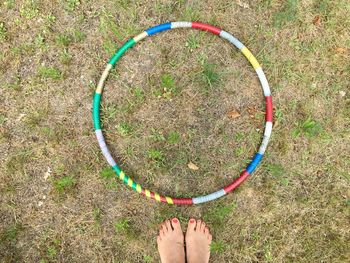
{"type": "Point", "coordinates": [56, 207]}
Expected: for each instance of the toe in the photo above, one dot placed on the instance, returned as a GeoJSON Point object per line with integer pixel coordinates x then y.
{"type": "Point", "coordinates": [191, 224]}
{"type": "Point", "coordinates": [168, 225]}
{"type": "Point", "coordinates": [176, 225]}
{"type": "Point", "coordinates": [210, 237]}
{"type": "Point", "coordinates": [199, 225]}
{"type": "Point", "coordinates": [203, 226]}
{"type": "Point", "coordinates": [206, 231]}
{"type": "Point", "coordinates": [164, 228]}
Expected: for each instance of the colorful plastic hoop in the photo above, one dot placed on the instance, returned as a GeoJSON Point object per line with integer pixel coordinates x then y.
{"type": "Point", "coordinates": [268, 124]}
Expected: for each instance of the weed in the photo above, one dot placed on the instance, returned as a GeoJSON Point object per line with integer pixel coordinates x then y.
{"type": "Point", "coordinates": [123, 226]}
{"type": "Point", "coordinates": [137, 97]}
{"type": "Point", "coordinates": [138, 93]}
{"type": "Point", "coordinates": [9, 4]}
{"type": "Point", "coordinates": [277, 171]}
{"type": "Point", "coordinates": [51, 252]}
{"type": "Point", "coordinates": [29, 10]}
{"type": "Point", "coordinates": [156, 156]}
{"type": "Point", "coordinates": [109, 46]}
{"type": "Point", "coordinates": [217, 246]}
{"type": "Point", "coordinates": [192, 42]}
{"type": "Point", "coordinates": [168, 86]}
{"type": "Point", "coordinates": [124, 129]}
{"type": "Point", "coordinates": [71, 5]}
{"type": "Point", "coordinates": [78, 36]}
{"type": "Point", "coordinates": [49, 73]}
{"type": "Point", "coordinates": [35, 118]}
{"type": "Point", "coordinates": [97, 216]}
{"type": "Point", "coordinates": [173, 137]}
{"type": "Point", "coordinates": [63, 39]}
{"type": "Point", "coordinates": [108, 112]}
{"type": "Point", "coordinates": [3, 32]}
{"type": "Point", "coordinates": [217, 215]}
{"type": "Point", "coordinates": [23, 49]}
{"type": "Point", "coordinates": [10, 234]}
{"type": "Point", "coordinates": [17, 161]}
{"type": "Point", "coordinates": [147, 259]}
{"type": "Point", "coordinates": [65, 57]}
{"type": "Point", "coordinates": [2, 119]}
{"type": "Point", "coordinates": [167, 81]}
{"type": "Point", "coordinates": [107, 173]}
{"type": "Point", "coordinates": [209, 75]}
{"type": "Point", "coordinates": [309, 128]}
{"type": "Point", "coordinates": [39, 40]}
{"type": "Point", "coordinates": [64, 183]}
{"type": "Point", "coordinates": [190, 14]}
{"type": "Point", "coordinates": [50, 19]}
{"type": "Point", "coordinates": [156, 136]}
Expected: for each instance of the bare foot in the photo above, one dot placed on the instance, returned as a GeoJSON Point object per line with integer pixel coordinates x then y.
{"type": "Point", "coordinates": [171, 242]}
{"type": "Point", "coordinates": [198, 241]}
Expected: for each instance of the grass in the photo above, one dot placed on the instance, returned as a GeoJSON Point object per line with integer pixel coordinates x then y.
{"type": "Point", "coordinates": [173, 137]}
{"type": "Point", "coordinates": [217, 247]}
{"type": "Point", "coordinates": [3, 32]}
{"type": "Point", "coordinates": [166, 104]}
{"type": "Point", "coordinates": [64, 183]}
{"type": "Point", "coordinates": [50, 73]}
{"type": "Point", "coordinates": [287, 14]}
{"type": "Point", "coordinates": [309, 128]}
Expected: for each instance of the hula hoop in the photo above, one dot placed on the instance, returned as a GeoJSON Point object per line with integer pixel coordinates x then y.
{"type": "Point", "coordinates": [268, 117]}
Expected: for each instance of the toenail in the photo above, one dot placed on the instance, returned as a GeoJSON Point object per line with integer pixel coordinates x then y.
{"type": "Point", "coordinates": [192, 221]}
{"type": "Point", "coordinates": [175, 220]}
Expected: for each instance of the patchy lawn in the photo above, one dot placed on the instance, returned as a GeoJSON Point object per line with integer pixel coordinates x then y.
{"type": "Point", "coordinates": [177, 98]}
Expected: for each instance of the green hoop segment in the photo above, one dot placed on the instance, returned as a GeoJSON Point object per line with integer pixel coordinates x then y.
{"type": "Point", "coordinates": [268, 124]}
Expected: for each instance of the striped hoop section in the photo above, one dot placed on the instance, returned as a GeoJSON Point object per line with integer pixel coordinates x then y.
{"type": "Point", "coordinates": [254, 162]}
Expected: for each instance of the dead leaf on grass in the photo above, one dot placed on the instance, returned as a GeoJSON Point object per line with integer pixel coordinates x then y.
{"type": "Point", "coordinates": [233, 114]}
{"type": "Point", "coordinates": [192, 166]}
{"type": "Point", "coordinates": [317, 20]}
{"type": "Point", "coordinates": [242, 4]}
{"type": "Point", "coordinates": [341, 50]}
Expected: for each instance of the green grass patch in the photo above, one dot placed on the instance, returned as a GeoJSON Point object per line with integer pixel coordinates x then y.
{"type": "Point", "coordinates": [156, 156]}
{"type": "Point", "coordinates": [9, 4]}
{"type": "Point", "coordinates": [50, 73]}
{"type": "Point", "coordinates": [63, 39]}
{"type": "Point", "coordinates": [107, 173]}
{"type": "Point", "coordinates": [217, 215]}
{"type": "Point", "coordinates": [157, 136]}
{"type": "Point", "coordinates": [168, 87]}
{"type": "Point", "coordinates": [9, 235]}
{"type": "Point", "coordinates": [309, 128]}
{"type": "Point", "coordinates": [124, 129]}
{"type": "Point", "coordinates": [192, 42]}
{"type": "Point", "coordinates": [3, 32]}
{"type": "Point", "coordinates": [16, 162]}
{"type": "Point", "coordinates": [173, 137]}
{"type": "Point", "coordinates": [288, 13]}
{"type": "Point", "coordinates": [217, 246]}
{"type": "Point", "coordinates": [35, 118]}
{"type": "Point", "coordinates": [209, 75]}
{"type": "Point", "coordinates": [64, 183]}
{"type": "Point", "coordinates": [70, 5]}
{"type": "Point", "coordinates": [65, 57]}
{"type": "Point", "coordinates": [124, 227]}
{"type": "Point", "coordinates": [110, 179]}
{"type": "Point", "coordinates": [29, 9]}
